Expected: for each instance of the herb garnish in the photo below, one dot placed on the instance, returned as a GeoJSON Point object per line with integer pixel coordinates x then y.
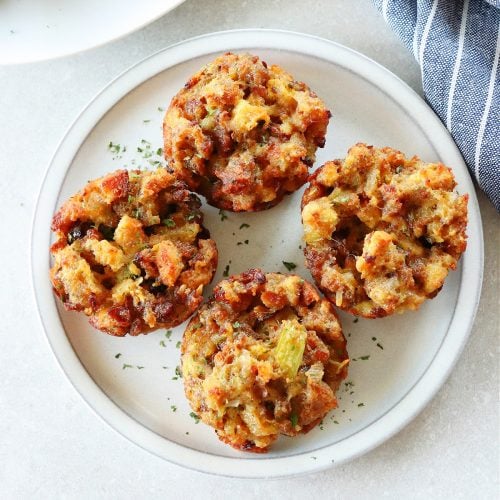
{"type": "Point", "coordinates": [355, 320]}
{"type": "Point", "coordinates": [178, 344]}
{"type": "Point", "coordinates": [226, 271]}
{"type": "Point", "coordinates": [364, 358]}
{"type": "Point", "coordinates": [125, 365]}
{"type": "Point", "coordinates": [289, 265]}
{"type": "Point", "coordinates": [294, 419]}
{"type": "Point", "coordinates": [244, 225]}
{"type": "Point", "coordinates": [168, 222]}
{"type": "Point", "coordinates": [168, 334]}
{"type": "Point", "coordinates": [379, 345]}
{"type": "Point", "coordinates": [222, 215]}
{"type": "Point", "coordinates": [118, 355]}
{"type": "Point", "coordinates": [114, 148]}
{"type": "Point", "coordinates": [162, 343]}
{"type": "Point", "coordinates": [195, 417]}
{"type": "Point", "coordinates": [173, 408]}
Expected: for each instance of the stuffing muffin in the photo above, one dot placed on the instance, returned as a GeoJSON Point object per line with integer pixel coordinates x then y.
{"type": "Point", "coordinates": [243, 134]}
{"type": "Point", "coordinates": [263, 357]}
{"type": "Point", "coordinates": [131, 252]}
{"type": "Point", "coordinates": [382, 230]}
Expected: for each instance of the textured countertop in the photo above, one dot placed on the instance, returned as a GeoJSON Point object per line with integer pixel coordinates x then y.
{"type": "Point", "coordinates": [53, 446]}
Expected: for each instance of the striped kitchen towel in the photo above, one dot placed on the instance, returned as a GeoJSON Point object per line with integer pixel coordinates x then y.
{"type": "Point", "coordinates": [457, 44]}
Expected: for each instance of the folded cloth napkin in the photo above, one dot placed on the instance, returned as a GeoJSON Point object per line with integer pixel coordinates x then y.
{"type": "Point", "coordinates": [457, 44]}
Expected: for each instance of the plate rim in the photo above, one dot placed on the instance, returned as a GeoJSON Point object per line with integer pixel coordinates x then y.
{"type": "Point", "coordinates": [109, 39]}
{"type": "Point", "coordinates": [397, 417]}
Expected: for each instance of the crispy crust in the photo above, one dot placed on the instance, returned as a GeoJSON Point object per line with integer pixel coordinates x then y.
{"type": "Point", "coordinates": [232, 375]}
{"type": "Point", "coordinates": [381, 230]}
{"type": "Point", "coordinates": [244, 134]}
{"type": "Point", "coordinates": [131, 252]}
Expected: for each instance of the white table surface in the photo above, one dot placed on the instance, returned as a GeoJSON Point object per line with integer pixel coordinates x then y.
{"type": "Point", "coordinates": [53, 446]}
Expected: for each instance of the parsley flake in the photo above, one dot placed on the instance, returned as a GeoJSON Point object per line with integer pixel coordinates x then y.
{"type": "Point", "coordinates": [115, 148]}
{"type": "Point", "coordinates": [226, 271]}
{"type": "Point", "coordinates": [118, 355]}
{"type": "Point", "coordinates": [195, 417]}
{"type": "Point", "coordinates": [242, 226]}
{"type": "Point", "coordinates": [162, 343]}
{"type": "Point", "coordinates": [380, 346]}
{"type": "Point", "coordinates": [173, 408]}
{"type": "Point", "coordinates": [364, 358]}
{"type": "Point", "coordinates": [125, 365]}
{"type": "Point", "coordinates": [294, 419]}
{"type": "Point", "coordinates": [222, 215]}
{"type": "Point", "coordinates": [168, 222]}
{"type": "Point", "coordinates": [289, 265]}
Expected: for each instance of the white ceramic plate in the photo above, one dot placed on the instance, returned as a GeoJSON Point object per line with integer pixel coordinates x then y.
{"type": "Point", "coordinates": [410, 356]}
{"type": "Point", "coordinates": [35, 30]}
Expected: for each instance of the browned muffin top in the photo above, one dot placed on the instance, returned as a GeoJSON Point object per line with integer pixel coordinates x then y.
{"type": "Point", "coordinates": [242, 133]}
{"type": "Point", "coordinates": [263, 357]}
{"type": "Point", "coordinates": [382, 230]}
{"type": "Point", "coordinates": [131, 252]}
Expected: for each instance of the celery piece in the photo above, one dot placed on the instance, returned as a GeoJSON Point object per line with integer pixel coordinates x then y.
{"type": "Point", "coordinates": [290, 347]}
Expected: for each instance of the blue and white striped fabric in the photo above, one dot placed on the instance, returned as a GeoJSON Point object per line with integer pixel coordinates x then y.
{"type": "Point", "coordinates": [457, 44]}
